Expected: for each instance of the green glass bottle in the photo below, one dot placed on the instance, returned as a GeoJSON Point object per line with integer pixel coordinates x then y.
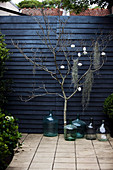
{"type": "Point", "coordinates": [70, 132]}
{"type": "Point", "coordinates": [103, 133]}
{"type": "Point", "coordinates": [81, 127]}
{"type": "Point", "coordinates": [90, 131]}
{"type": "Point", "coordinates": [50, 125]}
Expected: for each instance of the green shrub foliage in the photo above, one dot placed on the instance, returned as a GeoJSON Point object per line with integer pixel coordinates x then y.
{"type": "Point", "coordinates": [4, 83]}
{"type": "Point", "coordinates": [38, 4]}
{"type": "Point", "coordinates": [108, 106]}
{"type": "Point", "coordinates": [9, 137]}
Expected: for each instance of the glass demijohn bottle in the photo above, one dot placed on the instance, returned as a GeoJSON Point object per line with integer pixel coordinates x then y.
{"type": "Point", "coordinates": [70, 132]}
{"type": "Point", "coordinates": [81, 127]}
{"type": "Point", "coordinates": [90, 131]}
{"type": "Point", "coordinates": [50, 125]}
{"type": "Point", "coordinates": [103, 133]}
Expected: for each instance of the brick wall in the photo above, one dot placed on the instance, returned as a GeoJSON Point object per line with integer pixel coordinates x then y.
{"type": "Point", "coordinates": [55, 12]}
{"type": "Point", "coordinates": [47, 11]}
{"type": "Point", "coordinates": [93, 12]}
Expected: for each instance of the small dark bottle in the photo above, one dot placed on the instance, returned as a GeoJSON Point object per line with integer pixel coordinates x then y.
{"type": "Point", "coordinates": [90, 131]}
{"type": "Point", "coordinates": [50, 125]}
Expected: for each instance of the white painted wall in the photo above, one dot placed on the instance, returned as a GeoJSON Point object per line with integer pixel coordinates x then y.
{"type": "Point", "coordinates": [10, 6]}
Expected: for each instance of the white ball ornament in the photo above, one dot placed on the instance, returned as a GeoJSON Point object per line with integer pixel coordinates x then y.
{"type": "Point", "coordinates": [79, 54]}
{"type": "Point", "coordinates": [79, 88]}
{"type": "Point", "coordinates": [72, 45]}
{"type": "Point", "coordinates": [103, 53]}
{"type": "Point", "coordinates": [80, 64]}
{"type": "Point", "coordinates": [62, 66]}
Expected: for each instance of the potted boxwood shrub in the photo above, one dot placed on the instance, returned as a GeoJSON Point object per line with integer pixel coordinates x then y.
{"type": "Point", "coordinates": [108, 110]}
{"type": "Point", "coordinates": [9, 134]}
{"type": "Point", "coordinates": [9, 139]}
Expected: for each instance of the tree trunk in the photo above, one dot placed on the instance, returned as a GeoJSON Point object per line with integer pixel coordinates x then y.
{"type": "Point", "coordinates": [65, 110]}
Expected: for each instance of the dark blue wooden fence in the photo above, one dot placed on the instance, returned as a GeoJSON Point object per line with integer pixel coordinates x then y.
{"type": "Point", "coordinates": [30, 114]}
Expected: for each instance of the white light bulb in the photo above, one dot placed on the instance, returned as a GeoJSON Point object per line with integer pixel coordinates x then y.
{"type": "Point", "coordinates": [62, 66]}
{"type": "Point", "coordinates": [79, 64]}
{"type": "Point", "coordinates": [84, 48]}
{"type": "Point", "coordinates": [103, 53]}
{"type": "Point", "coordinates": [72, 45]}
{"type": "Point", "coordinates": [79, 54]}
{"type": "Point", "coordinates": [79, 88]}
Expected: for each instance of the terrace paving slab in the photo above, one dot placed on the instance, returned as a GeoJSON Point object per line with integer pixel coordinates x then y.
{"type": "Point", "coordinates": [39, 152]}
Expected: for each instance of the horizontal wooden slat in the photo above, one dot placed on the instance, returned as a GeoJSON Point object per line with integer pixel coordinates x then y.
{"type": "Point", "coordinates": [23, 30]}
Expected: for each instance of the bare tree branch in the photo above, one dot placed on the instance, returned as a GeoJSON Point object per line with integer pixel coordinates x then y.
{"type": "Point", "coordinates": [62, 47]}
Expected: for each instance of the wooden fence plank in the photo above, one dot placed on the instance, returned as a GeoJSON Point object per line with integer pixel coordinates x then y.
{"type": "Point", "coordinates": [30, 114]}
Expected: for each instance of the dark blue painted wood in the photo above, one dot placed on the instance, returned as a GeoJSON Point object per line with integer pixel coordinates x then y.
{"type": "Point", "coordinates": [30, 114]}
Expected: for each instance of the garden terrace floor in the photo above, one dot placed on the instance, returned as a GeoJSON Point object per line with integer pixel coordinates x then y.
{"type": "Point", "coordinates": [54, 153]}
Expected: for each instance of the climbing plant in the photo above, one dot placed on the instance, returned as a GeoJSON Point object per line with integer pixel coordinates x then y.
{"type": "Point", "coordinates": [4, 83]}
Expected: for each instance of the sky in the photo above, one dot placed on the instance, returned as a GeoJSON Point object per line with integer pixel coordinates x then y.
{"type": "Point", "coordinates": [16, 1]}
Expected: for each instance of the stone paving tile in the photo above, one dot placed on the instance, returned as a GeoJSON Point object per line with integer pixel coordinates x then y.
{"type": "Point", "coordinates": [16, 168]}
{"type": "Point", "coordinates": [31, 137]}
{"type": "Point", "coordinates": [43, 160]}
{"type": "Point", "coordinates": [102, 146]}
{"type": "Point", "coordinates": [106, 166]}
{"type": "Point", "coordinates": [40, 168]}
{"type": "Point", "coordinates": [49, 139]}
{"type": "Point", "coordinates": [65, 155]}
{"type": "Point", "coordinates": [43, 145]}
{"type": "Point", "coordinates": [83, 142]}
{"type": "Point", "coordinates": [19, 164]}
{"type": "Point", "coordinates": [64, 168]}
{"type": "Point", "coordinates": [82, 147]}
{"type": "Point", "coordinates": [104, 153]}
{"type": "Point", "coordinates": [62, 141]}
{"type": "Point", "coordinates": [105, 160]}
{"type": "Point", "coordinates": [43, 153]}
{"type": "Point", "coordinates": [46, 166]}
{"type": "Point", "coordinates": [26, 152]}
{"type": "Point", "coordinates": [66, 146]}
{"type": "Point", "coordinates": [87, 160]}
{"type": "Point", "coordinates": [22, 159]}
{"type": "Point", "coordinates": [46, 150]}
{"type": "Point", "coordinates": [60, 165]}
{"type": "Point", "coordinates": [100, 142]}
{"type": "Point", "coordinates": [67, 160]}
{"type": "Point", "coordinates": [85, 153]}
{"type": "Point", "coordinates": [62, 150]}
{"type": "Point", "coordinates": [87, 166]}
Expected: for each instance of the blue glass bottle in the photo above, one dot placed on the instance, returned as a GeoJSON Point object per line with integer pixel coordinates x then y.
{"type": "Point", "coordinates": [50, 125]}
{"type": "Point", "coordinates": [70, 132]}
{"type": "Point", "coordinates": [81, 127]}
